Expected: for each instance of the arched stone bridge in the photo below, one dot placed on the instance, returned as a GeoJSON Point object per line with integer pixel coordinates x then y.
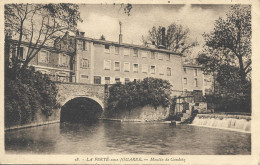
{"type": "Point", "coordinates": [70, 91]}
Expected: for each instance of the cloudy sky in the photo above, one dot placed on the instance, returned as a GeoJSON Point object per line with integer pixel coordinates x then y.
{"type": "Point", "coordinates": [104, 19]}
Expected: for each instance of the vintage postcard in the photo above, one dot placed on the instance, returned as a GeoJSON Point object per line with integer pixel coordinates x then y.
{"type": "Point", "coordinates": [130, 82]}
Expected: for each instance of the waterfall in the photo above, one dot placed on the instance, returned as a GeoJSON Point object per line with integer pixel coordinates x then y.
{"type": "Point", "coordinates": [232, 122]}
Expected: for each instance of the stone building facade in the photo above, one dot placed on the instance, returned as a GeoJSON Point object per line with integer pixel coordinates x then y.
{"type": "Point", "coordinates": [81, 59]}
{"type": "Point", "coordinates": [193, 78]}
{"type": "Point", "coordinates": [56, 63]}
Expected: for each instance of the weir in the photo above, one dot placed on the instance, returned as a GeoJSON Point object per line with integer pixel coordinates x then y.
{"type": "Point", "coordinates": [232, 122]}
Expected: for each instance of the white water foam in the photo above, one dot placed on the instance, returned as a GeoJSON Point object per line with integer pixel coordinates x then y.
{"type": "Point", "coordinates": [223, 122]}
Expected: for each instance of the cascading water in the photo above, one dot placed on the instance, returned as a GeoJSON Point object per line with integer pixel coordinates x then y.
{"type": "Point", "coordinates": [233, 122]}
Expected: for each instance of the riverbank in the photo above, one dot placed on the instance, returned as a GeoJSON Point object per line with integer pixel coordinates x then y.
{"type": "Point", "coordinates": [104, 119]}
{"type": "Point", "coordinates": [139, 120]}
{"type": "Point", "coordinates": [30, 125]}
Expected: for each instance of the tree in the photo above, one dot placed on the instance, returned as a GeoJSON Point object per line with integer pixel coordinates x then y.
{"type": "Point", "coordinates": [229, 44]}
{"type": "Point", "coordinates": [177, 38]}
{"type": "Point", "coordinates": [39, 25]}
{"type": "Point", "coordinates": [149, 91]}
{"type": "Point", "coordinates": [102, 37]}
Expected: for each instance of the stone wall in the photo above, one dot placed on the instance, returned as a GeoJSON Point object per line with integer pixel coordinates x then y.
{"type": "Point", "coordinates": [69, 91]}
{"type": "Point", "coordinates": [146, 113]}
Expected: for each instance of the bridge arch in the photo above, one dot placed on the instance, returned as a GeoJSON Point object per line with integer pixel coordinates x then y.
{"type": "Point", "coordinates": [81, 108]}
{"type": "Point", "coordinates": [84, 96]}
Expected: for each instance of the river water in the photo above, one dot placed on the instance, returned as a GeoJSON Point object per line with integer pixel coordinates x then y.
{"type": "Point", "coordinates": [104, 137]}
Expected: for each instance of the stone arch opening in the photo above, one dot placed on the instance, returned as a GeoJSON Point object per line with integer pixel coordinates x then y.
{"type": "Point", "coordinates": [80, 109]}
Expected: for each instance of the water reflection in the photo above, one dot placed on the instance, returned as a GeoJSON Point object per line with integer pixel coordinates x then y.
{"type": "Point", "coordinates": [126, 138]}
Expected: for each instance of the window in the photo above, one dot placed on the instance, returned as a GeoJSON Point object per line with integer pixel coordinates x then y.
{"type": "Point", "coordinates": [84, 63]}
{"type": "Point", "coordinates": [84, 45]}
{"type": "Point", "coordinates": [97, 80]}
{"type": "Point", "coordinates": [117, 66]}
{"type": "Point", "coordinates": [152, 55]}
{"type": "Point", "coordinates": [185, 80]}
{"type": "Point", "coordinates": [116, 50]}
{"type": "Point", "coordinates": [135, 69]}
{"type": "Point", "coordinates": [62, 76]}
{"type": "Point", "coordinates": [107, 80]}
{"type": "Point", "coordinates": [43, 57]}
{"type": "Point", "coordinates": [107, 64]}
{"type": "Point", "coordinates": [83, 76]}
{"type": "Point", "coordinates": [107, 50]}
{"type": "Point", "coordinates": [80, 45]}
{"type": "Point", "coordinates": [117, 80]}
{"type": "Point", "coordinates": [196, 82]}
{"type": "Point", "coordinates": [168, 57]}
{"type": "Point", "coordinates": [169, 71]}
{"type": "Point", "coordinates": [126, 51]}
{"type": "Point", "coordinates": [144, 54]}
{"type": "Point", "coordinates": [160, 56]}
{"type": "Point", "coordinates": [185, 70]}
{"type": "Point", "coordinates": [152, 70]}
{"type": "Point", "coordinates": [196, 72]}
{"type": "Point", "coordinates": [63, 60]}
{"type": "Point", "coordinates": [20, 51]}
{"type": "Point", "coordinates": [127, 80]}
{"type": "Point", "coordinates": [135, 53]}
{"type": "Point", "coordinates": [161, 70]}
{"type": "Point", "coordinates": [144, 68]}
{"type": "Point", "coordinates": [126, 67]}
{"type": "Point", "coordinates": [185, 90]}
{"type": "Point", "coordinates": [70, 41]}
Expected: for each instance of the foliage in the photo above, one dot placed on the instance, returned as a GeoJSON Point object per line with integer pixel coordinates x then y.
{"type": "Point", "coordinates": [128, 8]}
{"type": "Point", "coordinates": [236, 103]}
{"type": "Point", "coordinates": [177, 38]}
{"type": "Point", "coordinates": [227, 55]}
{"type": "Point", "coordinates": [26, 93]}
{"type": "Point", "coordinates": [229, 44]}
{"type": "Point", "coordinates": [150, 91]}
{"type": "Point", "coordinates": [102, 37]}
{"type": "Point", "coordinates": [39, 25]}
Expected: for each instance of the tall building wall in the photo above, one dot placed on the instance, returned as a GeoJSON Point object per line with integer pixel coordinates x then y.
{"type": "Point", "coordinates": [83, 64]}
{"type": "Point", "coordinates": [192, 78]}
{"type": "Point", "coordinates": [104, 62]}
{"type": "Point", "coordinates": [104, 58]}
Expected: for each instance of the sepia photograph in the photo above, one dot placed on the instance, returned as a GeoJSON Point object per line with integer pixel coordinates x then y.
{"type": "Point", "coordinates": [124, 78]}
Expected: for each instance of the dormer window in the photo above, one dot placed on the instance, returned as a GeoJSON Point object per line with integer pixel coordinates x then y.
{"type": "Point", "coordinates": [20, 52]}
{"type": "Point", "coordinates": [126, 51]}
{"type": "Point", "coordinates": [135, 53]}
{"type": "Point", "coordinates": [107, 50]}
{"type": "Point", "coordinates": [116, 50]}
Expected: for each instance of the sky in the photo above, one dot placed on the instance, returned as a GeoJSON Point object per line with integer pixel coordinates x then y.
{"type": "Point", "coordinates": [104, 19]}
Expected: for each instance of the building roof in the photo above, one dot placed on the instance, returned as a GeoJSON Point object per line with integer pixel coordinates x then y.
{"type": "Point", "coordinates": [127, 45]}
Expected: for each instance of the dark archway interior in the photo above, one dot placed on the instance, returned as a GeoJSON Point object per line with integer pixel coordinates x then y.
{"type": "Point", "coordinates": [80, 109]}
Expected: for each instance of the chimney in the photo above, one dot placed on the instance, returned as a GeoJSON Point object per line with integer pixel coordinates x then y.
{"type": "Point", "coordinates": [163, 36]}
{"type": "Point", "coordinates": [120, 35]}
{"type": "Point", "coordinates": [120, 38]}
{"type": "Point", "coordinates": [82, 34]}
{"type": "Point", "coordinates": [162, 46]}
